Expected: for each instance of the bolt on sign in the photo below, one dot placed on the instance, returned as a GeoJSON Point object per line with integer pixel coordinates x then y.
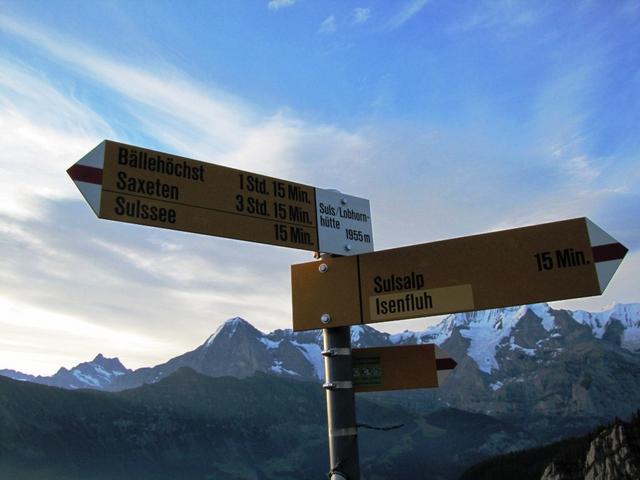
{"type": "Point", "coordinates": [399, 367]}
{"type": "Point", "coordinates": [136, 185]}
{"type": "Point", "coordinates": [553, 261]}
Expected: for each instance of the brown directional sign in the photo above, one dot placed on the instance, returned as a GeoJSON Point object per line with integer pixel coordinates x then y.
{"type": "Point", "coordinates": [399, 367]}
{"type": "Point", "coordinates": [553, 261]}
{"type": "Point", "coordinates": [136, 185]}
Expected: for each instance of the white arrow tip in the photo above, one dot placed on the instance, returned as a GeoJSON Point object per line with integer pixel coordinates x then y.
{"type": "Point", "coordinates": [598, 236]}
{"type": "Point", "coordinates": [605, 271]}
{"type": "Point", "coordinates": [607, 253]}
{"type": "Point", "coordinates": [86, 173]}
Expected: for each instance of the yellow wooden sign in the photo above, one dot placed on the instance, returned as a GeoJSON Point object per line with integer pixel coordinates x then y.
{"type": "Point", "coordinates": [401, 367]}
{"type": "Point", "coordinates": [136, 185]}
{"type": "Point", "coordinates": [553, 261]}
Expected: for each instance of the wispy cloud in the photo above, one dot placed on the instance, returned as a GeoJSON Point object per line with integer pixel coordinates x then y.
{"type": "Point", "coordinates": [361, 15]}
{"type": "Point", "coordinates": [278, 4]}
{"type": "Point", "coordinates": [199, 121]}
{"type": "Point", "coordinates": [328, 25]}
{"type": "Point", "coordinates": [503, 15]}
{"type": "Point", "coordinates": [160, 88]}
{"type": "Point", "coordinates": [108, 283]}
{"type": "Point", "coordinates": [408, 11]}
{"type": "Point", "coordinates": [44, 127]}
{"type": "Point", "coordinates": [57, 257]}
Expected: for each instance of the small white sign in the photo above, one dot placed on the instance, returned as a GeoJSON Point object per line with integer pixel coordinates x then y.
{"type": "Point", "coordinates": [344, 223]}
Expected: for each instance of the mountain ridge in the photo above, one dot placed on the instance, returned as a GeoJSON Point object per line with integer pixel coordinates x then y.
{"type": "Point", "coordinates": [530, 374]}
{"type": "Point", "coordinates": [238, 349]}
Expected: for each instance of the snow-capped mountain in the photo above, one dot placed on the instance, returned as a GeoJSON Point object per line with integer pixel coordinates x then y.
{"type": "Point", "coordinates": [237, 349]}
{"type": "Point", "coordinates": [488, 331]}
{"type": "Point", "coordinates": [495, 350]}
{"type": "Point", "coordinates": [23, 377]}
{"type": "Point", "coordinates": [619, 324]}
{"type": "Point", "coordinates": [101, 373]}
{"type": "Point", "coordinates": [537, 365]}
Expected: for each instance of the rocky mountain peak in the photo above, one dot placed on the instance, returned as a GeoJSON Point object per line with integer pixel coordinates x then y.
{"type": "Point", "coordinates": [614, 453]}
{"type": "Point", "coordinates": [487, 330]}
{"type": "Point", "coordinates": [366, 336]}
{"type": "Point", "coordinates": [235, 321]}
{"type": "Point", "coordinates": [110, 364]}
{"type": "Point", "coordinates": [231, 328]}
{"type": "Point", "coordinates": [619, 324]}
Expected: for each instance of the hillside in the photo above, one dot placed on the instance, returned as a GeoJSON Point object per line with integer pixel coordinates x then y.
{"type": "Point", "coordinates": [190, 426]}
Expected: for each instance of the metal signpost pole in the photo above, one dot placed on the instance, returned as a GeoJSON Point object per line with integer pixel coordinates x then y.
{"type": "Point", "coordinates": [341, 404]}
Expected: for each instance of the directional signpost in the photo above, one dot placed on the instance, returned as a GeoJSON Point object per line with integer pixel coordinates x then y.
{"type": "Point", "coordinates": [553, 261]}
{"type": "Point", "coordinates": [400, 367]}
{"type": "Point", "coordinates": [567, 259]}
{"type": "Point", "coordinates": [132, 184]}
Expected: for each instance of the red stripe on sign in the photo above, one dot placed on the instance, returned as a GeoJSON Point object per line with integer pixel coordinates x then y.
{"type": "Point", "coordinates": [83, 173]}
{"type": "Point", "coordinates": [612, 251]}
{"type": "Point", "coordinates": [445, 364]}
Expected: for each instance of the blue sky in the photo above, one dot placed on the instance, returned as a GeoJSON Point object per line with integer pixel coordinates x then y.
{"type": "Point", "coordinates": [453, 118]}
